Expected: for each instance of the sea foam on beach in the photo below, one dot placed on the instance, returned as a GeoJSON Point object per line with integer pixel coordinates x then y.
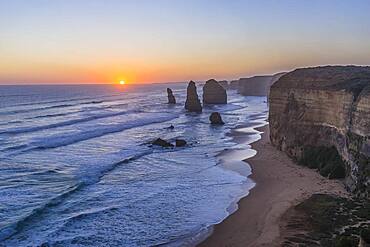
{"type": "Point", "coordinates": [76, 169]}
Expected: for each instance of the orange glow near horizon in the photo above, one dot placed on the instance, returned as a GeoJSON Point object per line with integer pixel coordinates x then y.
{"type": "Point", "coordinates": [175, 41]}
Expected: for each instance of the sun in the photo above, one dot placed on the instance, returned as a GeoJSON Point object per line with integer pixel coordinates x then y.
{"type": "Point", "coordinates": [122, 82]}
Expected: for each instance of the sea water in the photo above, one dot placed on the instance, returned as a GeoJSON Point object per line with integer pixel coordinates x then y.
{"type": "Point", "coordinates": [76, 168]}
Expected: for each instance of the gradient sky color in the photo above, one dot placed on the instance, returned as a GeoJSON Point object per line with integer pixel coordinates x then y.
{"type": "Point", "coordinates": [104, 41]}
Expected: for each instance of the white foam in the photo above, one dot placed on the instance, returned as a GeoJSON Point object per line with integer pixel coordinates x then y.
{"type": "Point", "coordinates": [70, 138]}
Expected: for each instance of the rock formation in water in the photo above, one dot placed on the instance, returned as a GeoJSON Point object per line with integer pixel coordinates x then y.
{"type": "Point", "coordinates": [321, 118]}
{"type": "Point", "coordinates": [162, 143]}
{"type": "Point", "coordinates": [171, 97]}
{"type": "Point", "coordinates": [234, 84]}
{"type": "Point", "coordinates": [192, 101]}
{"type": "Point", "coordinates": [224, 84]}
{"type": "Point", "coordinates": [180, 143]}
{"type": "Point", "coordinates": [214, 93]}
{"type": "Point", "coordinates": [215, 118]}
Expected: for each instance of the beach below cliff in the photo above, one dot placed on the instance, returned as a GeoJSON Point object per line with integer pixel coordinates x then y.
{"type": "Point", "coordinates": [280, 185]}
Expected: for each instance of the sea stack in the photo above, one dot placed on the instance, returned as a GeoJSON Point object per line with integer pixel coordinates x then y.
{"type": "Point", "coordinates": [216, 119]}
{"type": "Point", "coordinates": [171, 97]}
{"type": "Point", "coordinates": [214, 93]}
{"type": "Point", "coordinates": [192, 103]}
{"type": "Point", "coordinates": [224, 84]}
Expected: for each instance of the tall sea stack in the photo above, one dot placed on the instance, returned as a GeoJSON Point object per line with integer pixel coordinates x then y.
{"type": "Point", "coordinates": [192, 103]}
{"type": "Point", "coordinates": [171, 97]}
{"type": "Point", "coordinates": [214, 93]}
{"type": "Point", "coordinates": [321, 118]}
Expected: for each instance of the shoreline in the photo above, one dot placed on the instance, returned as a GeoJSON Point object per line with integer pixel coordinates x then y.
{"type": "Point", "coordinates": [233, 159]}
{"type": "Point", "coordinates": [280, 184]}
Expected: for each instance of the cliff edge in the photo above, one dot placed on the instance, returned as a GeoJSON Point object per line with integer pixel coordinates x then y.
{"type": "Point", "coordinates": [321, 118]}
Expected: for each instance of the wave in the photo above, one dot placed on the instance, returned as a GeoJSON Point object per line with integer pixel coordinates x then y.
{"type": "Point", "coordinates": [63, 140]}
{"type": "Point", "coordinates": [22, 130]}
{"type": "Point", "coordinates": [12, 112]}
{"type": "Point", "coordinates": [52, 115]}
{"type": "Point", "coordinates": [93, 172]}
{"type": "Point", "coordinates": [57, 101]}
{"type": "Point", "coordinates": [35, 109]}
{"type": "Point", "coordinates": [12, 229]}
{"type": "Point", "coordinates": [91, 175]}
{"type": "Point", "coordinates": [55, 141]}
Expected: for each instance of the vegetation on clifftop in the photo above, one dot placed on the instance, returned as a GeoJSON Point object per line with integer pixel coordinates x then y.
{"type": "Point", "coordinates": [329, 221]}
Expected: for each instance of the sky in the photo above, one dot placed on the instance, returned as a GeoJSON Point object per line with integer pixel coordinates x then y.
{"type": "Point", "coordinates": [139, 41]}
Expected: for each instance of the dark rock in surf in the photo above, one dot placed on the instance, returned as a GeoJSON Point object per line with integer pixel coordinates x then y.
{"type": "Point", "coordinates": [192, 103]}
{"type": "Point", "coordinates": [180, 143]}
{"type": "Point", "coordinates": [162, 143]}
{"type": "Point", "coordinates": [214, 93]}
{"type": "Point", "coordinates": [216, 119]}
{"type": "Point", "coordinates": [171, 97]}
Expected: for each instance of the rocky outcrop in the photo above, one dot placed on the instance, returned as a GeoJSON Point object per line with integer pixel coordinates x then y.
{"type": "Point", "coordinates": [171, 97]}
{"type": "Point", "coordinates": [254, 86]}
{"type": "Point", "coordinates": [180, 143]}
{"type": "Point", "coordinates": [321, 118]}
{"type": "Point", "coordinates": [257, 85]}
{"type": "Point", "coordinates": [214, 93]}
{"type": "Point", "coordinates": [327, 220]}
{"type": "Point", "coordinates": [215, 118]}
{"type": "Point", "coordinates": [224, 84]}
{"type": "Point", "coordinates": [162, 143]}
{"type": "Point", "coordinates": [192, 102]}
{"type": "Point", "coordinates": [234, 84]}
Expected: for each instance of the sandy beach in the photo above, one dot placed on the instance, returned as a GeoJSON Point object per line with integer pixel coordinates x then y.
{"type": "Point", "coordinates": [280, 185]}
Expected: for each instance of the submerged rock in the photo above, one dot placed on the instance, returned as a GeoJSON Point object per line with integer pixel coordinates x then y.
{"type": "Point", "coordinates": [171, 97]}
{"type": "Point", "coordinates": [215, 118]}
{"type": "Point", "coordinates": [192, 101]}
{"type": "Point", "coordinates": [162, 143]}
{"type": "Point", "coordinates": [214, 93]}
{"type": "Point", "coordinates": [180, 143]}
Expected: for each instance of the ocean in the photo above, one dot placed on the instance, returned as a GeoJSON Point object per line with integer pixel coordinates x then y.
{"type": "Point", "coordinates": [76, 168]}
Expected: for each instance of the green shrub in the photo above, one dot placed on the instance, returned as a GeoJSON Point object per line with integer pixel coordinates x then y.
{"type": "Point", "coordinates": [326, 159]}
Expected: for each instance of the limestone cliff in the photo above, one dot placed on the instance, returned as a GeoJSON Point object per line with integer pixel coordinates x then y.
{"type": "Point", "coordinates": [321, 118]}
{"type": "Point", "coordinates": [254, 86]}
{"type": "Point", "coordinates": [257, 85]}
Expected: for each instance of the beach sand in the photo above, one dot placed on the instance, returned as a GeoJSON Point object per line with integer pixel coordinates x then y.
{"type": "Point", "coordinates": [280, 185]}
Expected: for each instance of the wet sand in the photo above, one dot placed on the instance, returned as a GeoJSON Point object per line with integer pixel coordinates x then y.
{"type": "Point", "coordinates": [280, 184]}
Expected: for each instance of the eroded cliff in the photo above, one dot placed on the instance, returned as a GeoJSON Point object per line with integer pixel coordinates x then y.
{"type": "Point", "coordinates": [321, 118]}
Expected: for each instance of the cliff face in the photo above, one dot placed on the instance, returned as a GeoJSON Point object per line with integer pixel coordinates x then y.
{"type": "Point", "coordinates": [321, 118]}
{"type": "Point", "coordinates": [254, 86]}
{"type": "Point", "coordinates": [257, 85]}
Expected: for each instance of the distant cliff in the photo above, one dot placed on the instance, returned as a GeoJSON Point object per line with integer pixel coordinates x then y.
{"type": "Point", "coordinates": [321, 118]}
{"type": "Point", "coordinates": [257, 85]}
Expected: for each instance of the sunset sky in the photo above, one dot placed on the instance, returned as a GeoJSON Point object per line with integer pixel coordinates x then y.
{"type": "Point", "coordinates": [104, 41]}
